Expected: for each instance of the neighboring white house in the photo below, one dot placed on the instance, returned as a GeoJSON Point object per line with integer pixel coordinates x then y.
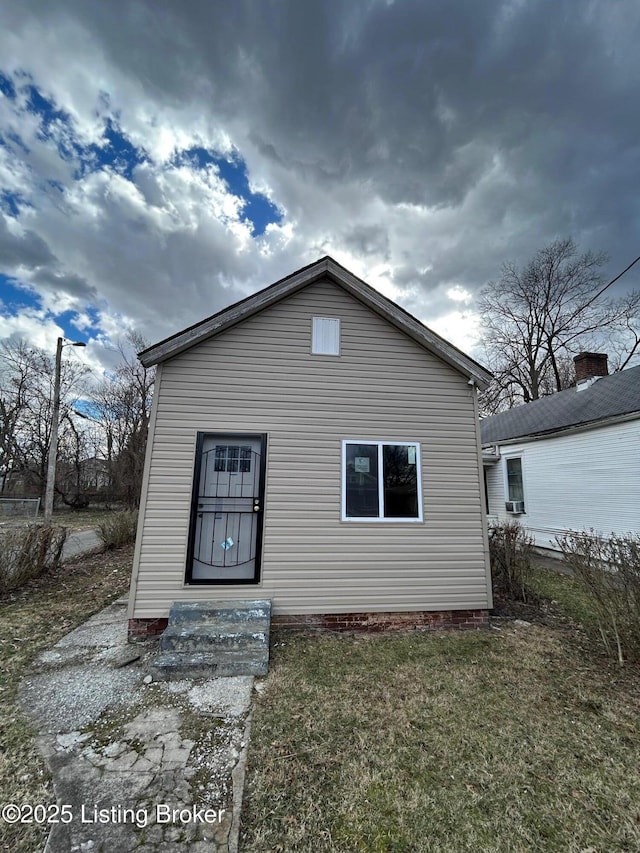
{"type": "Point", "coordinates": [570, 461]}
{"type": "Point", "coordinates": [317, 446]}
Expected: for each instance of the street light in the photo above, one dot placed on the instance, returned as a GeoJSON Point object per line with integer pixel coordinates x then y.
{"type": "Point", "coordinates": [53, 443]}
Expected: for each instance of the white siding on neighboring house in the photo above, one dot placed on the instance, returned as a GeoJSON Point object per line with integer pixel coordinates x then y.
{"type": "Point", "coordinates": [260, 376]}
{"type": "Point", "coordinates": [495, 490]}
{"type": "Point", "coordinates": [577, 481]}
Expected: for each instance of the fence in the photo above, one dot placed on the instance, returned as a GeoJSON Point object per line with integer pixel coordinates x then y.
{"type": "Point", "coordinates": [15, 508]}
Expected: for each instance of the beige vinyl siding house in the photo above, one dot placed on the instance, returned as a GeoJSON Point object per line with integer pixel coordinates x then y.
{"type": "Point", "coordinates": [324, 432]}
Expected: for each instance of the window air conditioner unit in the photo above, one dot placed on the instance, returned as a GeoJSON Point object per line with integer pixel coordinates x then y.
{"type": "Point", "coordinates": [515, 506]}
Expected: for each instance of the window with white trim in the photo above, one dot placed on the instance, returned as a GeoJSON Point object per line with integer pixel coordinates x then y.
{"type": "Point", "coordinates": [325, 336]}
{"type": "Point", "coordinates": [515, 485]}
{"type": "Point", "coordinates": [381, 481]}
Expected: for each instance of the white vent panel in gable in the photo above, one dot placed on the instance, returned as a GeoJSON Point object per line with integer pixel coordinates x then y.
{"type": "Point", "coordinates": [325, 336]}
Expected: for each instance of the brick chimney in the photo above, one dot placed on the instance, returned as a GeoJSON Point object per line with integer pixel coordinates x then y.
{"type": "Point", "coordinates": [590, 366]}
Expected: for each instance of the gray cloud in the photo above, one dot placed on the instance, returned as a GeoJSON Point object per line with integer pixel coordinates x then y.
{"type": "Point", "coordinates": [367, 240]}
{"type": "Point", "coordinates": [72, 284]}
{"type": "Point", "coordinates": [438, 139]}
{"type": "Point", "coordinates": [22, 250]}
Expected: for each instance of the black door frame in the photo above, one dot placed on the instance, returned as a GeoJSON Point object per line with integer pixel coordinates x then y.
{"type": "Point", "coordinates": [200, 438]}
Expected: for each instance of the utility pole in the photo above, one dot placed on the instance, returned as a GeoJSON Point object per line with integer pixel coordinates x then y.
{"type": "Point", "coordinates": [55, 417]}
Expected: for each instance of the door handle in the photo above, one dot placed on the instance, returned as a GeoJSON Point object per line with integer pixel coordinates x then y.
{"type": "Point", "coordinates": [256, 506]}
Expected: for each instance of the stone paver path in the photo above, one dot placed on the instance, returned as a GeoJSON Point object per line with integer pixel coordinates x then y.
{"type": "Point", "coordinates": [142, 766]}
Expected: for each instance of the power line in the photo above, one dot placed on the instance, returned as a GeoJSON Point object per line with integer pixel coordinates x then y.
{"type": "Point", "coordinates": [613, 281]}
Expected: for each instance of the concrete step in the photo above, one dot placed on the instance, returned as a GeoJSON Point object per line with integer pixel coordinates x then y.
{"type": "Point", "coordinates": [173, 666]}
{"type": "Point", "coordinates": [211, 611]}
{"type": "Point", "coordinates": [209, 637]}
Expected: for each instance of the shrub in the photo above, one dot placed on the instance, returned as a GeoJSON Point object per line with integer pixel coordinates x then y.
{"type": "Point", "coordinates": [27, 552]}
{"type": "Point", "coordinates": [510, 555]}
{"type": "Point", "coordinates": [118, 529]}
{"type": "Point", "coordinates": [608, 568]}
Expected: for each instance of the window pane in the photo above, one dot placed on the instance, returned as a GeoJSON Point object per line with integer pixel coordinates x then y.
{"type": "Point", "coordinates": [221, 456]}
{"type": "Point", "coordinates": [400, 471]}
{"type": "Point", "coordinates": [245, 459]}
{"type": "Point", "coordinates": [233, 454]}
{"type": "Point", "coordinates": [232, 458]}
{"type": "Point", "coordinates": [362, 481]}
{"type": "Point", "coordinates": [514, 479]}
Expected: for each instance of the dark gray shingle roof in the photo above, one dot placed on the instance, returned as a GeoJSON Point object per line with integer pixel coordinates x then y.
{"type": "Point", "coordinates": [611, 396]}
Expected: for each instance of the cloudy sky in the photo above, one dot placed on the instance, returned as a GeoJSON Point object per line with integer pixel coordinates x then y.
{"type": "Point", "coordinates": [160, 160]}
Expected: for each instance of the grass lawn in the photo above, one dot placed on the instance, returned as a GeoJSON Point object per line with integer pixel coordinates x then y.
{"type": "Point", "coordinates": [568, 596]}
{"type": "Point", "coordinates": [31, 619]}
{"type": "Point", "coordinates": [81, 518]}
{"type": "Point", "coordinates": [524, 738]}
{"type": "Point", "coordinates": [72, 519]}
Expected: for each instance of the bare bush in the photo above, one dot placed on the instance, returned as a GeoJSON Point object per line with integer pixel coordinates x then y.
{"type": "Point", "coordinates": [608, 568]}
{"type": "Point", "coordinates": [28, 552]}
{"type": "Point", "coordinates": [510, 553]}
{"type": "Point", "coordinates": [118, 529]}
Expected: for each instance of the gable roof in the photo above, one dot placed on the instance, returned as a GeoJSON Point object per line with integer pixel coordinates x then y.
{"type": "Point", "coordinates": [325, 268]}
{"type": "Point", "coordinates": [609, 397]}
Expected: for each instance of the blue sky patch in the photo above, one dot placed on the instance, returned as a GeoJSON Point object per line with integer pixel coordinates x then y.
{"type": "Point", "coordinates": [11, 202]}
{"type": "Point", "coordinates": [94, 321]}
{"type": "Point", "coordinates": [6, 87]}
{"type": "Point", "coordinates": [257, 208]}
{"type": "Point", "coordinates": [50, 125]}
{"type": "Point", "coordinates": [15, 139]}
{"type": "Point", "coordinates": [66, 321]}
{"type": "Point", "coordinates": [15, 298]}
{"type": "Point", "coordinates": [45, 109]}
{"type": "Point", "coordinates": [119, 153]}
{"type": "Point", "coordinates": [85, 409]}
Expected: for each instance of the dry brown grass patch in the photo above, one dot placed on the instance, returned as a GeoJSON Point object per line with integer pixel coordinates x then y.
{"type": "Point", "coordinates": [509, 740]}
{"type": "Point", "coordinates": [32, 619]}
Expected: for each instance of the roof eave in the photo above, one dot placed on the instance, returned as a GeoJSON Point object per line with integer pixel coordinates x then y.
{"type": "Point", "coordinates": [174, 345]}
{"type": "Point", "coordinates": [410, 325]}
{"type": "Point", "coordinates": [325, 267]}
{"type": "Point", "coordinates": [565, 430]}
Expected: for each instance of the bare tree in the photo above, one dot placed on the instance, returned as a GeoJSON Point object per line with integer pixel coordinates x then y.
{"type": "Point", "coordinates": [122, 406]}
{"type": "Point", "coordinates": [536, 317]}
{"type": "Point", "coordinates": [102, 450]}
{"type": "Point", "coordinates": [70, 476]}
{"type": "Point", "coordinates": [18, 366]}
{"type": "Point", "coordinates": [26, 400]}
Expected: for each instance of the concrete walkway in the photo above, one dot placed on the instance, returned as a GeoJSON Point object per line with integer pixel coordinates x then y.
{"type": "Point", "coordinates": [80, 542]}
{"type": "Point", "coordinates": [137, 765]}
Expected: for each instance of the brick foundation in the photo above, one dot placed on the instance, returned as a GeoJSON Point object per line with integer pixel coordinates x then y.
{"type": "Point", "coordinates": [423, 620]}
{"type": "Point", "coordinates": [143, 629]}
